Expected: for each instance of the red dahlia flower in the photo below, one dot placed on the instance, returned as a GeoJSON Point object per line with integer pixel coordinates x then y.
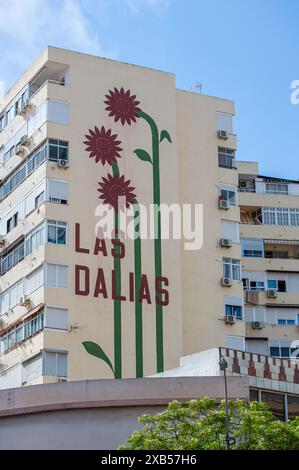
{"type": "Point", "coordinates": [122, 106]}
{"type": "Point", "coordinates": [102, 145]}
{"type": "Point", "coordinates": [114, 187]}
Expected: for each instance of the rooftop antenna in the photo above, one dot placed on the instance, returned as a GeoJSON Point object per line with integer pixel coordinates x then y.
{"type": "Point", "coordinates": [197, 87]}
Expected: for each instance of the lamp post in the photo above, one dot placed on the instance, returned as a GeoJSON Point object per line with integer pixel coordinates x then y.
{"type": "Point", "coordinates": [223, 366]}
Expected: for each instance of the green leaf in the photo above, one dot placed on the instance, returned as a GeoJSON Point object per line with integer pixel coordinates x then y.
{"type": "Point", "coordinates": [143, 155]}
{"type": "Point", "coordinates": [165, 135]}
{"type": "Point", "coordinates": [95, 350]}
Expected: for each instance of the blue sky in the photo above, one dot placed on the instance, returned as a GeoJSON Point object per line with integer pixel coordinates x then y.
{"type": "Point", "coordinates": [245, 50]}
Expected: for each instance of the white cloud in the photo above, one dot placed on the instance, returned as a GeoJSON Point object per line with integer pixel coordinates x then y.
{"type": "Point", "coordinates": [135, 6]}
{"type": "Point", "coordinates": [28, 26]}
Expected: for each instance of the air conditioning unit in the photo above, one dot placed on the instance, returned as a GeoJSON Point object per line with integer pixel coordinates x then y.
{"type": "Point", "coordinates": [2, 323]}
{"type": "Point", "coordinates": [257, 325]}
{"type": "Point", "coordinates": [62, 379]}
{"type": "Point", "coordinates": [223, 135]}
{"type": "Point", "coordinates": [243, 184]}
{"type": "Point", "coordinates": [227, 281]}
{"type": "Point", "coordinates": [226, 242]}
{"type": "Point", "coordinates": [2, 363]}
{"type": "Point", "coordinates": [229, 319]}
{"type": "Point", "coordinates": [26, 106]}
{"type": "Point", "coordinates": [25, 301]}
{"type": "Point", "coordinates": [25, 141]}
{"type": "Point", "coordinates": [2, 241]}
{"type": "Point", "coordinates": [19, 150]}
{"type": "Point", "coordinates": [63, 163]}
{"type": "Point", "coordinates": [272, 293]}
{"type": "Point", "coordinates": [223, 204]}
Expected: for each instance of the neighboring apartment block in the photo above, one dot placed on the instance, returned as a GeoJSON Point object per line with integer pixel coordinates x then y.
{"type": "Point", "coordinates": [140, 305]}
{"type": "Point", "coordinates": [269, 232]}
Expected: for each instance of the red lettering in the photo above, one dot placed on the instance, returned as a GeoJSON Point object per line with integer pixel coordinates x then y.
{"type": "Point", "coordinates": [78, 249]}
{"type": "Point", "coordinates": [100, 287]}
{"type": "Point", "coordinates": [100, 246]}
{"type": "Point", "coordinates": [144, 293]}
{"type": "Point", "coordinates": [162, 292]}
{"type": "Point", "coordinates": [119, 249]}
{"type": "Point", "coordinates": [86, 288]}
{"type": "Point", "coordinates": [116, 287]}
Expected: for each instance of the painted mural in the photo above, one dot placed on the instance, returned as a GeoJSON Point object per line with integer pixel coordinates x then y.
{"type": "Point", "coordinates": [104, 147]}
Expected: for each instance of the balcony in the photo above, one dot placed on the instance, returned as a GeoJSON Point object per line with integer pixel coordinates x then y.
{"type": "Point", "coordinates": [249, 198]}
{"type": "Point", "coordinates": [52, 72]}
{"type": "Point", "coordinates": [266, 264]}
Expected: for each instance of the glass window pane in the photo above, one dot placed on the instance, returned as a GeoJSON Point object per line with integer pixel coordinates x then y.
{"type": "Point", "coordinates": [275, 402]}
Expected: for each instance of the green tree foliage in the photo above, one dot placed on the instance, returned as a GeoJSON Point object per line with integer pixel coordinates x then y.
{"type": "Point", "coordinates": [200, 425]}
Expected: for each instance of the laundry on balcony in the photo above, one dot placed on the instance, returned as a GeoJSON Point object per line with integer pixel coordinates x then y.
{"type": "Point", "coordinates": [252, 297]}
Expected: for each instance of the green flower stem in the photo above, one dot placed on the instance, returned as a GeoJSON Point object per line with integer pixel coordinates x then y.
{"type": "Point", "coordinates": [117, 303]}
{"type": "Point", "coordinates": [158, 256]}
{"type": "Point", "coordinates": [138, 305]}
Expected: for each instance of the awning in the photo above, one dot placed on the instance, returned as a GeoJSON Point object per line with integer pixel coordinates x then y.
{"type": "Point", "coordinates": [20, 320]}
{"type": "Point", "coordinates": [289, 306]}
{"type": "Point", "coordinates": [281, 242]}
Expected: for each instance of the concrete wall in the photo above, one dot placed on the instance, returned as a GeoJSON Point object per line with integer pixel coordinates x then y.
{"type": "Point", "coordinates": [98, 414]}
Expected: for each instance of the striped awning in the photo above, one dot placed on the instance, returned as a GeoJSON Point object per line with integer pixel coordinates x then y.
{"type": "Point", "coordinates": [281, 242]}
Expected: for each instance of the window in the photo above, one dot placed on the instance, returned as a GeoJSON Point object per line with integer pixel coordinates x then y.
{"type": "Point", "coordinates": [33, 161]}
{"type": "Point", "coordinates": [277, 254]}
{"type": "Point", "coordinates": [56, 318]}
{"type": "Point", "coordinates": [282, 321]}
{"type": "Point", "coordinates": [12, 257]}
{"type": "Point", "coordinates": [12, 222]}
{"type": "Point", "coordinates": [252, 248]}
{"type": "Point", "coordinates": [34, 280]}
{"type": "Point", "coordinates": [229, 196]}
{"type": "Point", "coordinates": [39, 199]}
{"type": "Point", "coordinates": [280, 216]}
{"type": "Point", "coordinates": [228, 192]}
{"type": "Point", "coordinates": [35, 198]}
{"type": "Point", "coordinates": [275, 402]}
{"type": "Point", "coordinates": [230, 230]}
{"type": "Point", "coordinates": [58, 112]}
{"type": "Point", "coordinates": [279, 285]}
{"type": "Point", "coordinates": [56, 232]}
{"type": "Point", "coordinates": [55, 363]}
{"type": "Point", "coordinates": [234, 310]}
{"type": "Point", "coordinates": [253, 285]}
{"type": "Point", "coordinates": [11, 296]}
{"type": "Point", "coordinates": [35, 239]}
{"type": "Point", "coordinates": [21, 332]}
{"type": "Point", "coordinates": [58, 191]}
{"type": "Point", "coordinates": [58, 150]}
{"type": "Point", "coordinates": [224, 122]}
{"type": "Point", "coordinates": [276, 188]}
{"type": "Point", "coordinates": [56, 275]}
{"type": "Point", "coordinates": [235, 342]}
{"type": "Point", "coordinates": [281, 348]}
{"type": "Point", "coordinates": [226, 158]}
{"type": "Point", "coordinates": [32, 368]}
{"type": "Point", "coordinates": [11, 378]}
{"type": "Point", "coordinates": [232, 269]}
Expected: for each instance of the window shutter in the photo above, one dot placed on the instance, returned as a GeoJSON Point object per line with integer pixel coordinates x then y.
{"type": "Point", "coordinates": [230, 230]}
{"type": "Point", "coordinates": [56, 318]}
{"type": "Point", "coordinates": [235, 342]}
{"type": "Point", "coordinates": [58, 189]}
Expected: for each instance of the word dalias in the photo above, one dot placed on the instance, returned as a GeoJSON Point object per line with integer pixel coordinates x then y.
{"type": "Point", "coordinates": [105, 286]}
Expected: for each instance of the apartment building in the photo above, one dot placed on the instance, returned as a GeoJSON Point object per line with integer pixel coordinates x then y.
{"type": "Point", "coordinates": [75, 130]}
{"type": "Point", "coordinates": [269, 230]}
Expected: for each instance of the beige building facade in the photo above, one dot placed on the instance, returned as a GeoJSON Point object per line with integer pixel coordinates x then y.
{"type": "Point", "coordinates": [78, 130]}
